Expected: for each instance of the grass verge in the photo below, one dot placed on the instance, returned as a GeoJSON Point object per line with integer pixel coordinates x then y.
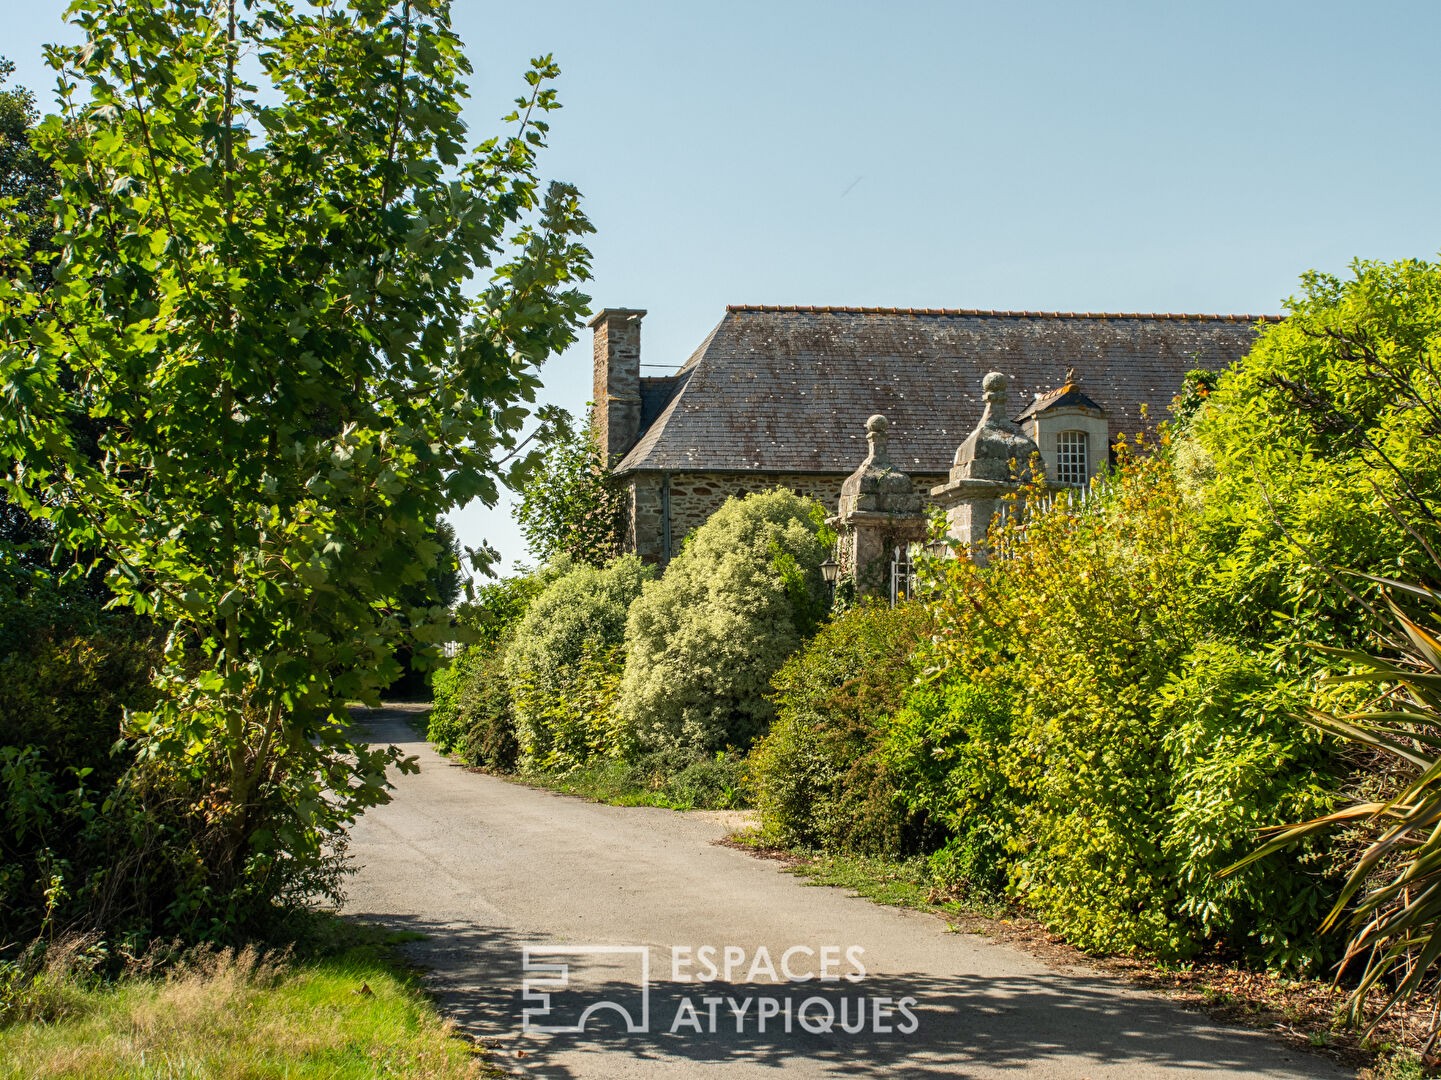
{"type": "Point", "coordinates": [673, 780]}
{"type": "Point", "coordinates": [908, 883]}
{"type": "Point", "coordinates": [699, 783]}
{"type": "Point", "coordinates": [341, 1006]}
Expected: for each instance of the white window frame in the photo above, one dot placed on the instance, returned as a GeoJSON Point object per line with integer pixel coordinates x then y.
{"type": "Point", "coordinates": [1073, 458]}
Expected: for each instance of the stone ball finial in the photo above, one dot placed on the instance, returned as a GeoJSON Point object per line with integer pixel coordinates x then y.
{"type": "Point", "coordinates": [878, 438]}
{"type": "Point", "coordinates": [995, 384]}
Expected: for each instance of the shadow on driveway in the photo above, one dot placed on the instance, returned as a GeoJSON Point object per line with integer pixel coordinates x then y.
{"type": "Point", "coordinates": [965, 1026]}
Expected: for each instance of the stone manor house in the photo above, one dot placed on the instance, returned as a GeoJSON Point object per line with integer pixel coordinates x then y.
{"type": "Point", "coordinates": [780, 396]}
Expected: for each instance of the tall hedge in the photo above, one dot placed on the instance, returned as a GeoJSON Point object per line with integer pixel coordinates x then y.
{"type": "Point", "coordinates": [703, 641]}
{"type": "Point", "coordinates": [1142, 753]}
{"type": "Point", "coordinates": [564, 654]}
{"type": "Point", "coordinates": [820, 775]}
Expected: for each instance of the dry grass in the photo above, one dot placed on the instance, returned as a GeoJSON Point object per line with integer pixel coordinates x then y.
{"type": "Point", "coordinates": [238, 1014]}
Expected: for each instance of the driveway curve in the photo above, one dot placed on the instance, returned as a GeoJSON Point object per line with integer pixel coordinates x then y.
{"type": "Point", "coordinates": [630, 909]}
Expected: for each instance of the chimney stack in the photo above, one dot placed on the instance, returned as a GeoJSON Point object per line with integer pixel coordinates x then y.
{"type": "Point", "coordinates": [616, 415]}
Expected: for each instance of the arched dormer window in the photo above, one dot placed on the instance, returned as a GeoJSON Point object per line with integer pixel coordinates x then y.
{"type": "Point", "coordinates": [1072, 458]}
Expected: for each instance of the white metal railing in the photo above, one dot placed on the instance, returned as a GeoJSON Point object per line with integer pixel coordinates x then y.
{"type": "Point", "coordinates": [903, 573]}
{"type": "Point", "coordinates": [1073, 501]}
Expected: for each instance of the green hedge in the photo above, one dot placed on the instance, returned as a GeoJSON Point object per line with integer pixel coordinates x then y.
{"type": "Point", "coordinates": [563, 663]}
{"type": "Point", "coordinates": [947, 748]}
{"type": "Point", "coordinates": [820, 776]}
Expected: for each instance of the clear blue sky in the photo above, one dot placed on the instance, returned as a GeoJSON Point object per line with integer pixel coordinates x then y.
{"type": "Point", "coordinates": [1152, 156]}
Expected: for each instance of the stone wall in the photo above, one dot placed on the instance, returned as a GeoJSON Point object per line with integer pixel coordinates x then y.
{"type": "Point", "coordinates": [695, 496]}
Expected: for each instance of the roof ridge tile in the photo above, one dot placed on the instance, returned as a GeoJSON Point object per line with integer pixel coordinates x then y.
{"type": "Point", "coordinates": [989, 313]}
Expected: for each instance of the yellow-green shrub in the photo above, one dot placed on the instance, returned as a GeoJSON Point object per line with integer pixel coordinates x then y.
{"type": "Point", "coordinates": [1140, 751]}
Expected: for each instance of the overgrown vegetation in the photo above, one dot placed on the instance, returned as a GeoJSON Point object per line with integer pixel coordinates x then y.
{"type": "Point", "coordinates": [1141, 756]}
{"type": "Point", "coordinates": [607, 682]}
{"type": "Point", "coordinates": [1112, 710]}
{"type": "Point", "coordinates": [241, 381]}
{"type": "Point", "coordinates": [1060, 732]}
{"type": "Point", "coordinates": [1366, 394]}
{"type": "Point", "coordinates": [1104, 718]}
{"type": "Point", "coordinates": [1098, 724]}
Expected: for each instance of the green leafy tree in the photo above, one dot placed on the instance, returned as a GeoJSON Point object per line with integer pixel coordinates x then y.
{"type": "Point", "coordinates": [441, 587]}
{"type": "Point", "coordinates": [261, 290]}
{"type": "Point", "coordinates": [27, 182]}
{"type": "Point", "coordinates": [1318, 451]}
{"type": "Point", "coordinates": [569, 502]}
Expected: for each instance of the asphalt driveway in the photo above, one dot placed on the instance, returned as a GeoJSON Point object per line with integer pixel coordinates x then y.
{"type": "Point", "coordinates": [682, 957]}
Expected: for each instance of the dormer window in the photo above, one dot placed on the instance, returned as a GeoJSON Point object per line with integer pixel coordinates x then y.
{"type": "Point", "coordinates": [1072, 458]}
{"type": "Point", "coordinates": [1072, 431]}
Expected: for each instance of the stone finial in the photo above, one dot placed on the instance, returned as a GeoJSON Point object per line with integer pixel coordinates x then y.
{"type": "Point", "coordinates": [993, 462]}
{"type": "Point", "coordinates": [880, 508]}
{"type": "Point", "coordinates": [878, 486]}
{"type": "Point", "coordinates": [878, 438]}
{"type": "Point", "coordinates": [995, 387]}
{"type": "Point", "coordinates": [997, 450]}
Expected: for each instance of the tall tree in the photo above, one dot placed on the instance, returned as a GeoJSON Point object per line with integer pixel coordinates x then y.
{"type": "Point", "coordinates": [27, 184]}
{"type": "Point", "coordinates": [569, 502]}
{"type": "Point", "coordinates": [270, 223]}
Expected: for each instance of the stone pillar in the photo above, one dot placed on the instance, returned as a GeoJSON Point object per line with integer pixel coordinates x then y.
{"type": "Point", "coordinates": [879, 509]}
{"type": "Point", "coordinates": [994, 461]}
{"type": "Point", "coordinates": [615, 415]}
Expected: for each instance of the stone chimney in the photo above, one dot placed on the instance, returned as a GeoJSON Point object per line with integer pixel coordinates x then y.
{"type": "Point", "coordinates": [616, 396]}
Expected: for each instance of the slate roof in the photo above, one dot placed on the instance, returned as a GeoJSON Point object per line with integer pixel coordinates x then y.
{"type": "Point", "coordinates": [788, 389]}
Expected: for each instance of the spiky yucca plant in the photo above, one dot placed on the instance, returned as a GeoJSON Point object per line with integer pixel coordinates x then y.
{"type": "Point", "coordinates": [1391, 901]}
